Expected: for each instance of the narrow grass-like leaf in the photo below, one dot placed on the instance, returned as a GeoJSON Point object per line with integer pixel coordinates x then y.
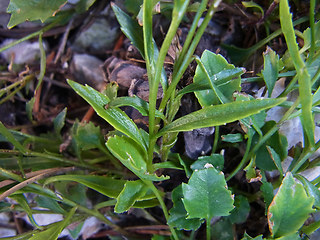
{"type": "Point", "coordinates": [135, 102]}
{"type": "Point", "coordinates": [22, 201]}
{"type": "Point", "coordinates": [289, 209]}
{"type": "Point", "coordinates": [130, 28]}
{"type": "Point", "coordinates": [206, 195]}
{"type": "Point", "coordinates": [219, 114]}
{"type": "Point", "coordinates": [105, 185]}
{"type": "Point", "coordinates": [302, 72]}
{"type": "Point", "coordinates": [10, 138]}
{"type": "Point", "coordinates": [53, 232]}
{"type": "Point", "coordinates": [117, 118]}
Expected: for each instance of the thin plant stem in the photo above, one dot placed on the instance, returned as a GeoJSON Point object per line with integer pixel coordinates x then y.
{"type": "Point", "coordinates": [208, 229]}
{"type": "Point", "coordinates": [177, 16]}
{"type": "Point", "coordinates": [30, 36]}
{"type": "Point", "coordinates": [262, 140]}
{"type": "Point", "coordinates": [216, 139]}
{"type": "Point", "coordinates": [162, 204]}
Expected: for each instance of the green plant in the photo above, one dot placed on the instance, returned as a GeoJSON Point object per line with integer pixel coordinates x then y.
{"type": "Point", "coordinates": [215, 84]}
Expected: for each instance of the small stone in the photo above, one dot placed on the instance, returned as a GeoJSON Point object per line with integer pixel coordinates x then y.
{"type": "Point", "coordinates": [23, 53]}
{"type": "Point", "coordinates": [198, 142]}
{"type": "Point", "coordinates": [98, 38]}
{"type": "Point", "coordinates": [87, 70]}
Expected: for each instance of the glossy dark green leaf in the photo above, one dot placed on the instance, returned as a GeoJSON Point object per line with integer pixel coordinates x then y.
{"type": "Point", "coordinates": [178, 214]}
{"type": "Point", "coordinates": [135, 102]}
{"type": "Point", "coordinates": [32, 10]}
{"type": "Point", "coordinates": [208, 187]}
{"type": "Point", "coordinates": [311, 189]}
{"type": "Point", "coordinates": [223, 230]}
{"type": "Point", "coordinates": [215, 160]}
{"type": "Point", "coordinates": [53, 232]}
{"type": "Point", "coordinates": [232, 138]}
{"type": "Point", "coordinates": [105, 185]}
{"type": "Point", "coordinates": [275, 158]}
{"type": "Point", "coordinates": [241, 211]}
{"type": "Point", "coordinates": [131, 156]}
{"type": "Point", "coordinates": [58, 121]}
{"type": "Point", "coordinates": [228, 81]}
{"type": "Point", "coordinates": [219, 114]}
{"type": "Point", "coordinates": [267, 193]}
{"type": "Point", "coordinates": [130, 28]}
{"type": "Point", "coordinates": [271, 69]}
{"type": "Point", "coordinates": [132, 192]}
{"type": "Point", "coordinates": [277, 142]}
{"type": "Point", "coordinates": [247, 237]}
{"type": "Point", "coordinates": [289, 209]}
{"type": "Point", "coordinates": [117, 118]}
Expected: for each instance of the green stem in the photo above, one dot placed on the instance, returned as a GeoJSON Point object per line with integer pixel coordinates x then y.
{"type": "Point", "coordinates": [216, 139]}
{"type": "Point", "coordinates": [188, 56]}
{"type": "Point", "coordinates": [312, 29]}
{"type": "Point", "coordinates": [208, 229]}
{"type": "Point", "coordinates": [177, 15]}
{"type": "Point", "coordinates": [191, 33]}
{"type": "Point", "coordinates": [162, 204]}
{"type": "Point", "coordinates": [262, 140]}
{"type": "Point", "coordinates": [305, 156]}
{"type": "Point", "coordinates": [32, 35]}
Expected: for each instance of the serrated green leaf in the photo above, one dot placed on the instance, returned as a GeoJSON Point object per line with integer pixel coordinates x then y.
{"type": "Point", "coordinates": [135, 102]}
{"type": "Point", "coordinates": [22, 10]}
{"type": "Point", "coordinates": [271, 69]}
{"type": "Point", "coordinates": [178, 214]}
{"type": "Point", "coordinates": [215, 160]}
{"type": "Point", "coordinates": [307, 37]}
{"type": "Point", "coordinates": [311, 189]}
{"type": "Point", "coordinates": [132, 191]}
{"type": "Point", "coordinates": [219, 114]}
{"type": "Point", "coordinates": [88, 136]}
{"type": "Point", "coordinates": [275, 158]}
{"type": "Point", "coordinates": [131, 156]}
{"type": "Point", "coordinates": [206, 196]}
{"type": "Point", "coordinates": [247, 237]}
{"type": "Point", "coordinates": [53, 232]}
{"type": "Point", "coordinates": [277, 142]}
{"type": "Point", "coordinates": [241, 211]}
{"type": "Point", "coordinates": [216, 67]}
{"type": "Point", "coordinates": [117, 118]}
{"type": "Point", "coordinates": [58, 121]}
{"type": "Point", "coordinates": [267, 193]}
{"type": "Point", "coordinates": [105, 185]}
{"type": "Point", "coordinates": [289, 209]}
